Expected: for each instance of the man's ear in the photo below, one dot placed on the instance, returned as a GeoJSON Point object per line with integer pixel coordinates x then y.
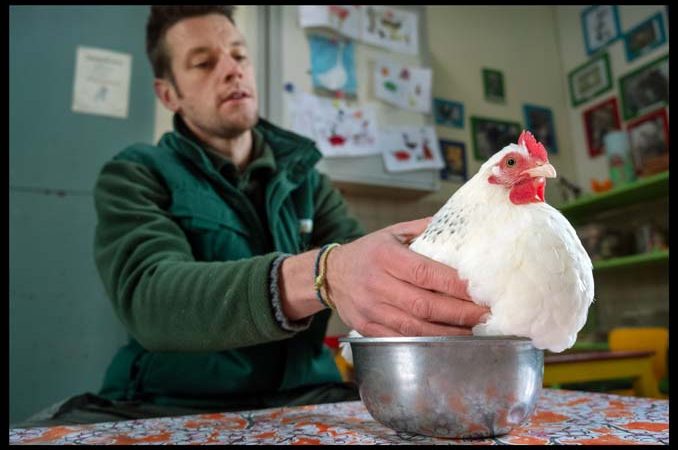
{"type": "Point", "coordinates": [165, 91]}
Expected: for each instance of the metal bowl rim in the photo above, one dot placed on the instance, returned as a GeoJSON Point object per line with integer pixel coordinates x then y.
{"type": "Point", "coordinates": [432, 339]}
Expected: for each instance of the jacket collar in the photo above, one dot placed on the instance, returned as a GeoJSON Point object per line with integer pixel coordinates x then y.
{"type": "Point", "coordinates": [294, 154]}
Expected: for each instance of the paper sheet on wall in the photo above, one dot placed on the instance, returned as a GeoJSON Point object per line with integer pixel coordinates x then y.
{"type": "Point", "coordinates": [405, 86]}
{"type": "Point", "coordinates": [337, 129]}
{"type": "Point", "coordinates": [332, 65]}
{"type": "Point", "coordinates": [410, 148]}
{"type": "Point", "coordinates": [102, 80]}
{"type": "Point", "coordinates": [344, 19]}
{"type": "Point", "coordinates": [390, 28]}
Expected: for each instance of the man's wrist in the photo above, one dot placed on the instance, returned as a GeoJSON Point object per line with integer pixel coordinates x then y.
{"type": "Point", "coordinates": [297, 290]}
{"type": "Point", "coordinates": [276, 302]}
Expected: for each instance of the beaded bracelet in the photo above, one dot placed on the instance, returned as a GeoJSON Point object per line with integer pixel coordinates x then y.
{"type": "Point", "coordinates": [321, 273]}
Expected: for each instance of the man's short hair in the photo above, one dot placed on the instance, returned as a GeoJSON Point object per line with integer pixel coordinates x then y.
{"type": "Point", "coordinates": [161, 19]}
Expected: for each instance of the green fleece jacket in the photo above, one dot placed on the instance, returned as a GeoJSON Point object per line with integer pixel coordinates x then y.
{"type": "Point", "coordinates": [185, 255]}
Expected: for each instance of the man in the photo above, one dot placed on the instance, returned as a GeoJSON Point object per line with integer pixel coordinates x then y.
{"type": "Point", "coordinates": [207, 245]}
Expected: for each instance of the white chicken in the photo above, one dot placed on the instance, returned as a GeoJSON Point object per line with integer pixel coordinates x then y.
{"type": "Point", "coordinates": [519, 255]}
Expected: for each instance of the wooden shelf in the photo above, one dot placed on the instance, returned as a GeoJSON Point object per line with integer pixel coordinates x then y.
{"type": "Point", "coordinates": [643, 189]}
{"type": "Point", "coordinates": [632, 260]}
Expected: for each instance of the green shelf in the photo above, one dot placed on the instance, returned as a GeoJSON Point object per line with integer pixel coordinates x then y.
{"type": "Point", "coordinates": [590, 346]}
{"type": "Point", "coordinates": [652, 187]}
{"type": "Point", "coordinates": [632, 260]}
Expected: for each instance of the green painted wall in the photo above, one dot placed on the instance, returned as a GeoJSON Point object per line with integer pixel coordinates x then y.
{"type": "Point", "coordinates": [63, 331]}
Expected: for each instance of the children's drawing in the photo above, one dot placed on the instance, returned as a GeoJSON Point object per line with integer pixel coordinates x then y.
{"type": "Point", "coordinates": [404, 86]}
{"type": "Point", "coordinates": [337, 129]}
{"type": "Point", "coordinates": [390, 28]}
{"type": "Point", "coordinates": [332, 66]}
{"type": "Point", "coordinates": [344, 19]}
{"type": "Point", "coordinates": [410, 148]}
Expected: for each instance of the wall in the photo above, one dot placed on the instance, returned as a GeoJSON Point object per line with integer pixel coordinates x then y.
{"type": "Point", "coordinates": [637, 295]}
{"type": "Point", "coordinates": [518, 40]}
{"type": "Point", "coordinates": [63, 331]}
{"type": "Point", "coordinates": [572, 50]}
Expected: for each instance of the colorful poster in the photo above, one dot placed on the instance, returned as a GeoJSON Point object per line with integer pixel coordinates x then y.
{"type": "Point", "coordinates": [390, 28]}
{"type": "Point", "coordinates": [337, 129]}
{"type": "Point", "coordinates": [410, 148]}
{"type": "Point", "coordinates": [407, 87]}
{"type": "Point", "coordinates": [344, 19]}
{"type": "Point", "coordinates": [333, 66]}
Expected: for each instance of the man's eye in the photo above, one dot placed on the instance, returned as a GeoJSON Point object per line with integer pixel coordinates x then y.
{"type": "Point", "coordinates": [202, 64]}
{"type": "Point", "coordinates": [240, 57]}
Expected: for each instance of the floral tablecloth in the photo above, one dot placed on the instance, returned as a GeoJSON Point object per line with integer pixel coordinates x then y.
{"type": "Point", "coordinates": [561, 417]}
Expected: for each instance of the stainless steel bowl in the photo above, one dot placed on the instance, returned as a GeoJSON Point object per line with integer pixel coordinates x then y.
{"type": "Point", "coordinates": [454, 387]}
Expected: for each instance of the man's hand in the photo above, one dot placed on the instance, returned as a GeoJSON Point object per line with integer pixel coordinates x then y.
{"type": "Point", "coordinates": [382, 288]}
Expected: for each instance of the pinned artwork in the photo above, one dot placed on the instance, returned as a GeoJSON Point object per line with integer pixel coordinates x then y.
{"type": "Point", "coordinates": [539, 120]}
{"type": "Point", "coordinates": [337, 129]}
{"type": "Point", "coordinates": [454, 156]}
{"type": "Point", "coordinates": [448, 113]}
{"type": "Point", "coordinates": [390, 28]}
{"type": "Point", "coordinates": [405, 86]}
{"type": "Point", "coordinates": [410, 148]}
{"type": "Point", "coordinates": [492, 135]}
{"type": "Point", "coordinates": [332, 66]}
{"type": "Point", "coordinates": [344, 19]}
{"type": "Point", "coordinates": [599, 120]}
{"type": "Point", "coordinates": [102, 82]}
{"type": "Point", "coordinates": [493, 84]}
{"type": "Point", "coordinates": [601, 26]}
{"type": "Point", "coordinates": [644, 37]}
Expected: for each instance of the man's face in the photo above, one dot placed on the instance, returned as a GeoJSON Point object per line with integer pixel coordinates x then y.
{"type": "Point", "coordinates": [215, 89]}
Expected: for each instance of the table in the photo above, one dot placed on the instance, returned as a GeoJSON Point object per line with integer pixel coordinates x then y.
{"type": "Point", "coordinates": [594, 366]}
{"type": "Point", "coordinates": [561, 417]}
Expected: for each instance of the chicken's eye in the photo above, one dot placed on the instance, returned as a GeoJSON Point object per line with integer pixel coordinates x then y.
{"type": "Point", "coordinates": [510, 162]}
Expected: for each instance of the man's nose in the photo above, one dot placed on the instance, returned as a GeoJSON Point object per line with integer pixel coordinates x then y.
{"type": "Point", "coordinates": [230, 68]}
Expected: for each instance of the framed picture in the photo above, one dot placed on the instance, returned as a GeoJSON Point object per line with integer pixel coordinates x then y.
{"type": "Point", "coordinates": [598, 121]}
{"type": "Point", "coordinates": [649, 140]}
{"type": "Point", "coordinates": [448, 113]}
{"type": "Point", "coordinates": [539, 120]}
{"type": "Point", "coordinates": [454, 156]}
{"type": "Point", "coordinates": [491, 135]}
{"type": "Point", "coordinates": [601, 26]}
{"type": "Point", "coordinates": [493, 84]}
{"type": "Point", "coordinates": [590, 79]}
{"type": "Point", "coordinates": [645, 89]}
{"type": "Point", "coordinates": [644, 37]}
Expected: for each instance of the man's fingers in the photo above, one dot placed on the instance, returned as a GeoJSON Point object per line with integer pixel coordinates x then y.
{"type": "Point", "coordinates": [435, 307]}
{"type": "Point", "coordinates": [407, 231]}
{"type": "Point", "coordinates": [397, 322]}
{"type": "Point", "coordinates": [373, 329]}
{"type": "Point", "coordinates": [427, 273]}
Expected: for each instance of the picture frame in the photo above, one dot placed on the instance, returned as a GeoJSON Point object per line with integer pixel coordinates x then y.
{"type": "Point", "coordinates": [644, 37]}
{"type": "Point", "coordinates": [448, 113]}
{"type": "Point", "coordinates": [539, 120]}
{"type": "Point", "coordinates": [601, 26]}
{"type": "Point", "coordinates": [491, 135]}
{"type": "Point", "coordinates": [454, 156]}
{"type": "Point", "coordinates": [493, 85]}
{"type": "Point", "coordinates": [649, 141]}
{"type": "Point", "coordinates": [590, 80]}
{"type": "Point", "coordinates": [645, 89]}
{"type": "Point", "coordinates": [598, 121]}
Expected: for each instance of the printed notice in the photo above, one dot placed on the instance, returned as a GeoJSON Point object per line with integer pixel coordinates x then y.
{"type": "Point", "coordinates": [102, 80]}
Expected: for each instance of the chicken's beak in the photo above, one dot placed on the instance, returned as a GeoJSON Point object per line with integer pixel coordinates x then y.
{"type": "Point", "coordinates": [545, 170]}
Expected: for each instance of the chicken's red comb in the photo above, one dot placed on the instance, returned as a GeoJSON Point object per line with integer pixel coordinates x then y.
{"type": "Point", "coordinates": [534, 147]}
